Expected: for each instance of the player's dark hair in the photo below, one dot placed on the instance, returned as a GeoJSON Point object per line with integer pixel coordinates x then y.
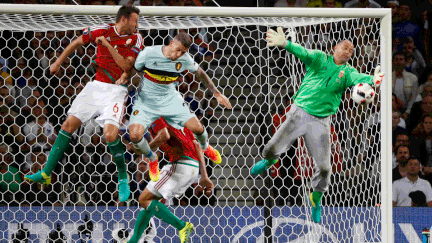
{"type": "Point", "coordinates": [400, 53]}
{"type": "Point", "coordinates": [184, 39]}
{"type": "Point", "coordinates": [126, 11]}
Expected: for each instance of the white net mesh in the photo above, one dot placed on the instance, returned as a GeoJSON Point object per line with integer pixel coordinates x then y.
{"type": "Point", "coordinates": [259, 82]}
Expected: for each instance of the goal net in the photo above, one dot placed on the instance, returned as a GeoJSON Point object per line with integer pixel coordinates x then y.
{"type": "Point", "coordinates": [260, 82]}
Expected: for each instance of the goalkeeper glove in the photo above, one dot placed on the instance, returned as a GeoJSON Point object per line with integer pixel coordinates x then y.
{"type": "Point", "coordinates": [278, 38]}
{"type": "Point", "coordinates": [378, 77]}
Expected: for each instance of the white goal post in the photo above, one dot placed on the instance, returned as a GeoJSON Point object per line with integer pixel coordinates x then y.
{"type": "Point", "coordinates": [23, 17]}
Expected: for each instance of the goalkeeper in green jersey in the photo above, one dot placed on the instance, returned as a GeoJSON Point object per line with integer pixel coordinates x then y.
{"type": "Point", "coordinates": [319, 96]}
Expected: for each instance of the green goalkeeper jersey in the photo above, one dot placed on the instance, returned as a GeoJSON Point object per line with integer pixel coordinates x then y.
{"type": "Point", "coordinates": [325, 82]}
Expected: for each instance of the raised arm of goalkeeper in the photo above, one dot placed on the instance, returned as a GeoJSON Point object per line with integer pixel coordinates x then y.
{"type": "Point", "coordinates": [308, 57]}
{"type": "Point", "coordinates": [278, 39]}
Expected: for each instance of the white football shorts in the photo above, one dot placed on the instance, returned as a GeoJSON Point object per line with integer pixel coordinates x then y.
{"type": "Point", "coordinates": [174, 179]}
{"type": "Point", "coordinates": [100, 99]}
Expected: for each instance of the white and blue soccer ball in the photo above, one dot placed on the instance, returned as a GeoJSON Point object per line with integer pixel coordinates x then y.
{"type": "Point", "coordinates": [363, 93]}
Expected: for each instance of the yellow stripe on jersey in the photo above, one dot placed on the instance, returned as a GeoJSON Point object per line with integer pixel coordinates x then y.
{"type": "Point", "coordinates": [161, 78]}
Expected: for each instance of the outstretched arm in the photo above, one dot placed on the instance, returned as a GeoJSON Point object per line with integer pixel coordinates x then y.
{"type": "Point", "coordinates": [278, 38]}
{"type": "Point", "coordinates": [355, 77]}
{"type": "Point", "coordinates": [305, 55]}
{"type": "Point", "coordinates": [125, 63]}
{"type": "Point", "coordinates": [205, 79]}
{"type": "Point", "coordinates": [69, 49]}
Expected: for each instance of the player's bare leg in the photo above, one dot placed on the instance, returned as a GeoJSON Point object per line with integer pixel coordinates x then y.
{"type": "Point", "coordinates": [197, 128]}
{"type": "Point", "coordinates": [117, 150]}
{"type": "Point", "coordinates": [61, 144]}
{"type": "Point", "coordinates": [152, 206]}
{"type": "Point", "coordinates": [136, 132]}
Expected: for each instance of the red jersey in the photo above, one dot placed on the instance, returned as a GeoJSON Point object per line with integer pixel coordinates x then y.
{"type": "Point", "coordinates": [278, 119]}
{"type": "Point", "coordinates": [107, 70]}
{"type": "Point", "coordinates": [180, 143]}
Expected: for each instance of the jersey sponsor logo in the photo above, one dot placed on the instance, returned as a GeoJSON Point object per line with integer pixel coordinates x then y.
{"type": "Point", "coordinates": [135, 113]}
{"type": "Point", "coordinates": [155, 64]}
{"type": "Point", "coordinates": [178, 66]}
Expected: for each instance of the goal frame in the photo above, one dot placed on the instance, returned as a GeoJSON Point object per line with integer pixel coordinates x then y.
{"type": "Point", "coordinates": [383, 14]}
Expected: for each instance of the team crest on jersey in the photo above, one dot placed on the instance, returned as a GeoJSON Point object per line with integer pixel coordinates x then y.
{"type": "Point", "coordinates": [341, 74]}
{"type": "Point", "coordinates": [135, 113]}
{"type": "Point", "coordinates": [178, 66]}
{"type": "Point", "coordinates": [129, 41]}
{"type": "Point", "coordinates": [86, 31]}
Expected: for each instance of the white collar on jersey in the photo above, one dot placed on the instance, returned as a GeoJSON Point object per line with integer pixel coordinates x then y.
{"type": "Point", "coordinates": [115, 30]}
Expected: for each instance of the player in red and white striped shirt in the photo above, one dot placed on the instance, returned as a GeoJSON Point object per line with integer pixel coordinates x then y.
{"type": "Point", "coordinates": [118, 45]}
